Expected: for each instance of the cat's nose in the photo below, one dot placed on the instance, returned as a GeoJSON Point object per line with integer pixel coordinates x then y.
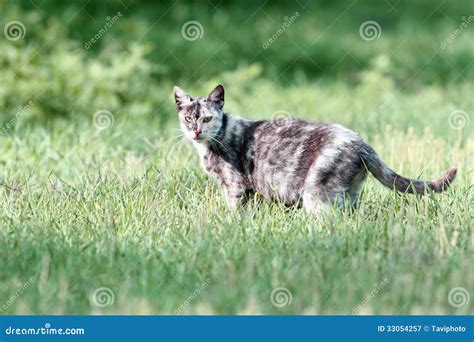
{"type": "Point", "coordinates": [197, 132]}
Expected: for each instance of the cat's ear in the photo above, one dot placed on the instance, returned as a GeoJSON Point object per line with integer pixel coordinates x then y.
{"type": "Point", "coordinates": [216, 97]}
{"type": "Point", "coordinates": [180, 97]}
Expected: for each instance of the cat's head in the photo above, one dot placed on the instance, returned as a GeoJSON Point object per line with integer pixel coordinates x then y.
{"type": "Point", "coordinates": [200, 117]}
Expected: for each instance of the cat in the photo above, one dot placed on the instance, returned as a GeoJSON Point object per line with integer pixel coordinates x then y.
{"type": "Point", "coordinates": [296, 162]}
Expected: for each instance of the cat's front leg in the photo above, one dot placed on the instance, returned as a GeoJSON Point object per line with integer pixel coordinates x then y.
{"type": "Point", "coordinates": [234, 196]}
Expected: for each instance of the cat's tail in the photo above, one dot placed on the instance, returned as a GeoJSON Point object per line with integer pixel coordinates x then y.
{"type": "Point", "coordinates": [392, 180]}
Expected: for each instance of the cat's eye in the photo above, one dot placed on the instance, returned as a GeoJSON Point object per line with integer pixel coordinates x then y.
{"type": "Point", "coordinates": [207, 118]}
{"type": "Point", "coordinates": [187, 119]}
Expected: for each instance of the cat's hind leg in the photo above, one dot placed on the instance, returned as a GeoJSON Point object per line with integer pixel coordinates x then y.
{"type": "Point", "coordinates": [319, 199]}
{"type": "Point", "coordinates": [335, 177]}
{"type": "Point", "coordinates": [353, 193]}
{"type": "Point", "coordinates": [313, 204]}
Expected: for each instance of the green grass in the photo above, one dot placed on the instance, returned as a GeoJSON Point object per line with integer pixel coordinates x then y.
{"type": "Point", "coordinates": [129, 209]}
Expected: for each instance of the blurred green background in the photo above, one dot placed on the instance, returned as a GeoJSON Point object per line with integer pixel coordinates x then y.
{"type": "Point", "coordinates": [131, 68]}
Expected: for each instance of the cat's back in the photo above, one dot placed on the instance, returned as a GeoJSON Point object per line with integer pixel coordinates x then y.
{"type": "Point", "coordinates": [284, 150]}
{"type": "Point", "coordinates": [289, 131]}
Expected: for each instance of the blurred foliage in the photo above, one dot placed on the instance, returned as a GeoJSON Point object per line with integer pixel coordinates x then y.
{"type": "Point", "coordinates": [131, 68]}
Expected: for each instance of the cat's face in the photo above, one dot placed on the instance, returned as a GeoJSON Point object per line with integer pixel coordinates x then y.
{"type": "Point", "coordinates": [200, 117]}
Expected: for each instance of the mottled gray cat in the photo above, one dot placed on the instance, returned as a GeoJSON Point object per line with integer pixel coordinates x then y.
{"type": "Point", "coordinates": [296, 162]}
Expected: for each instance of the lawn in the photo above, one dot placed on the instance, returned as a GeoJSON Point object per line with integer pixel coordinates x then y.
{"type": "Point", "coordinates": [105, 210]}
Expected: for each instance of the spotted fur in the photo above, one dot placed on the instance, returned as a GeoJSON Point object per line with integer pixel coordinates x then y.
{"type": "Point", "coordinates": [295, 162]}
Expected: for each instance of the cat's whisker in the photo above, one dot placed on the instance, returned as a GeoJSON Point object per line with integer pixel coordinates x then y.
{"type": "Point", "coordinates": [224, 148]}
{"type": "Point", "coordinates": [178, 137]}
